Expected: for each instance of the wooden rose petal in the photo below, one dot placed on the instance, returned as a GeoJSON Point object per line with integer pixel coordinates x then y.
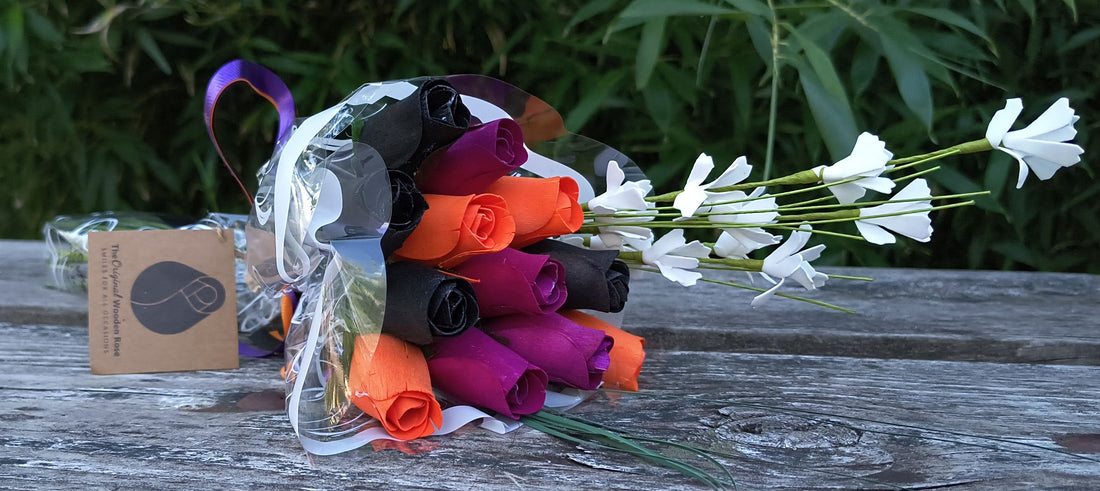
{"type": "Point", "coordinates": [542, 207]}
{"type": "Point", "coordinates": [389, 381]}
{"type": "Point", "coordinates": [627, 354]}
{"type": "Point", "coordinates": [457, 227]}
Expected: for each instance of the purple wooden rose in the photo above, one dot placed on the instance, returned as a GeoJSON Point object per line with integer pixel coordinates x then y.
{"type": "Point", "coordinates": [569, 352]}
{"type": "Point", "coordinates": [481, 156]}
{"type": "Point", "coordinates": [476, 370]}
{"type": "Point", "coordinates": [514, 282]}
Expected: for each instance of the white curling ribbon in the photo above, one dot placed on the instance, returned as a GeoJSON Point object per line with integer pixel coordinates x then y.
{"type": "Point", "coordinates": [302, 362]}
{"type": "Point", "coordinates": [536, 163]}
{"type": "Point", "coordinates": [304, 136]}
{"type": "Point", "coordinates": [284, 172]}
{"type": "Point", "coordinates": [330, 203]}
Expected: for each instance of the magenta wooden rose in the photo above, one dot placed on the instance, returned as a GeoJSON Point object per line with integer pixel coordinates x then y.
{"type": "Point", "coordinates": [569, 352]}
{"type": "Point", "coordinates": [481, 156]}
{"type": "Point", "coordinates": [514, 282]}
{"type": "Point", "coordinates": [478, 371]}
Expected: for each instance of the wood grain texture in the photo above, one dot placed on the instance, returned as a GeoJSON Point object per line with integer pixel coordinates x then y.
{"type": "Point", "coordinates": [62, 427]}
{"type": "Point", "coordinates": [904, 313]}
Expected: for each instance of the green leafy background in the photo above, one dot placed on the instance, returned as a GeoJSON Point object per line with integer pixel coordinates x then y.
{"type": "Point", "coordinates": [101, 101]}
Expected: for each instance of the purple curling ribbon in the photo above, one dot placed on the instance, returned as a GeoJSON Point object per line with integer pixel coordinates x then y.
{"type": "Point", "coordinates": [265, 83]}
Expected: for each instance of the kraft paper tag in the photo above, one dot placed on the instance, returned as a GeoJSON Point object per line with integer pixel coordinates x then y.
{"type": "Point", "coordinates": [161, 301]}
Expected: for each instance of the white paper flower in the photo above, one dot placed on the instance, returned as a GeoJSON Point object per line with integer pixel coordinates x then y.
{"type": "Point", "coordinates": [676, 258]}
{"type": "Point", "coordinates": [621, 194]}
{"type": "Point", "coordinates": [867, 160]}
{"type": "Point", "coordinates": [695, 192]}
{"type": "Point", "coordinates": [787, 261]}
{"type": "Point", "coordinates": [737, 242]}
{"type": "Point", "coordinates": [1041, 146]}
{"type": "Point", "coordinates": [622, 237]}
{"type": "Point", "coordinates": [916, 226]}
{"type": "Point", "coordinates": [624, 197]}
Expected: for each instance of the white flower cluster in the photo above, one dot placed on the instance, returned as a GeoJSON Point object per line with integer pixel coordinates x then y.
{"type": "Point", "coordinates": [744, 220]}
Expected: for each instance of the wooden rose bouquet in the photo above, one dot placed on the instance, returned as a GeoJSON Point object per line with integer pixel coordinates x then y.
{"type": "Point", "coordinates": [447, 248]}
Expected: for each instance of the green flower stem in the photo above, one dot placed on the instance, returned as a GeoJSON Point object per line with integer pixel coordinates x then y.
{"type": "Point", "coordinates": [782, 208]}
{"type": "Point", "coordinates": [885, 215]}
{"type": "Point", "coordinates": [975, 146]}
{"type": "Point", "coordinates": [816, 232]}
{"type": "Point", "coordinates": [739, 264]}
{"type": "Point", "coordinates": [880, 202]}
{"type": "Point", "coordinates": [779, 294]}
{"type": "Point", "coordinates": [803, 177]}
{"type": "Point", "coordinates": [808, 202]}
{"type": "Point", "coordinates": [916, 174]}
{"type": "Point", "coordinates": [824, 215]}
{"type": "Point", "coordinates": [808, 218]}
{"type": "Point", "coordinates": [855, 278]}
{"type": "Point", "coordinates": [577, 430]}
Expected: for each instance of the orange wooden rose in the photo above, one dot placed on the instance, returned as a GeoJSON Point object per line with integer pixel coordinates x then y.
{"type": "Point", "coordinates": [457, 227]}
{"type": "Point", "coordinates": [389, 381]}
{"type": "Point", "coordinates": [542, 207]}
{"type": "Point", "coordinates": [627, 354]}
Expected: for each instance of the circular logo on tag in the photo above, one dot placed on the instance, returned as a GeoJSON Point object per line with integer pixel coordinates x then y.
{"type": "Point", "coordinates": [170, 297]}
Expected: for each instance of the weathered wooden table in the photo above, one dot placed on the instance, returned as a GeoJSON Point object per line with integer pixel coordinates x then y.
{"type": "Point", "coordinates": [976, 380]}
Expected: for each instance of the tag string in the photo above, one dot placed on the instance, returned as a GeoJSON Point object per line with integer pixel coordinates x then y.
{"type": "Point", "coordinates": [265, 83]}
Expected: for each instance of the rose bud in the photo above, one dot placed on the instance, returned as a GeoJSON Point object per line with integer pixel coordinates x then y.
{"type": "Point", "coordinates": [476, 160]}
{"type": "Point", "coordinates": [542, 207]}
{"type": "Point", "coordinates": [421, 303]}
{"type": "Point", "coordinates": [568, 352]}
{"type": "Point", "coordinates": [389, 381]}
{"type": "Point", "coordinates": [627, 354]}
{"type": "Point", "coordinates": [513, 282]}
{"type": "Point", "coordinates": [456, 228]}
{"type": "Point", "coordinates": [478, 371]}
{"type": "Point", "coordinates": [604, 280]}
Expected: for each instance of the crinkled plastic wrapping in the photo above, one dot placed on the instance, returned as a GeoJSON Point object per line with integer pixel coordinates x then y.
{"type": "Point", "coordinates": [321, 209]}
{"type": "Point", "coordinates": [67, 242]}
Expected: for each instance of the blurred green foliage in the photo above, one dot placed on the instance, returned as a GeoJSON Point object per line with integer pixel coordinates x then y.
{"type": "Point", "coordinates": [102, 101]}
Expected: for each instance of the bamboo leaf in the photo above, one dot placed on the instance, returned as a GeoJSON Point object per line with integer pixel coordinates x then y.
{"type": "Point", "coordinates": [761, 39]}
{"type": "Point", "coordinates": [647, 9]}
{"type": "Point", "coordinates": [1080, 39]}
{"type": "Point", "coordinates": [833, 116]}
{"type": "Point", "coordinates": [593, 99]}
{"type": "Point", "coordinates": [150, 47]}
{"type": "Point", "coordinates": [823, 67]}
{"type": "Point", "coordinates": [650, 48]}
{"type": "Point", "coordinates": [1072, 7]}
{"type": "Point", "coordinates": [42, 28]}
{"type": "Point", "coordinates": [911, 79]}
{"type": "Point", "coordinates": [952, 18]}
{"type": "Point", "coordinates": [588, 11]}
{"type": "Point", "coordinates": [754, 7]}
{"type": "Point", "coordinates": [659, 104]}
{"type": "Point", "coordinates": [864, 66]}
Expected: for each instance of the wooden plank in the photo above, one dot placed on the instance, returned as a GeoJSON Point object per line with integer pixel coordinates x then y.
{"type": "Point", "coordinates": [63, 426]}
{"type": "Point", "coordinates": [904, 313]}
